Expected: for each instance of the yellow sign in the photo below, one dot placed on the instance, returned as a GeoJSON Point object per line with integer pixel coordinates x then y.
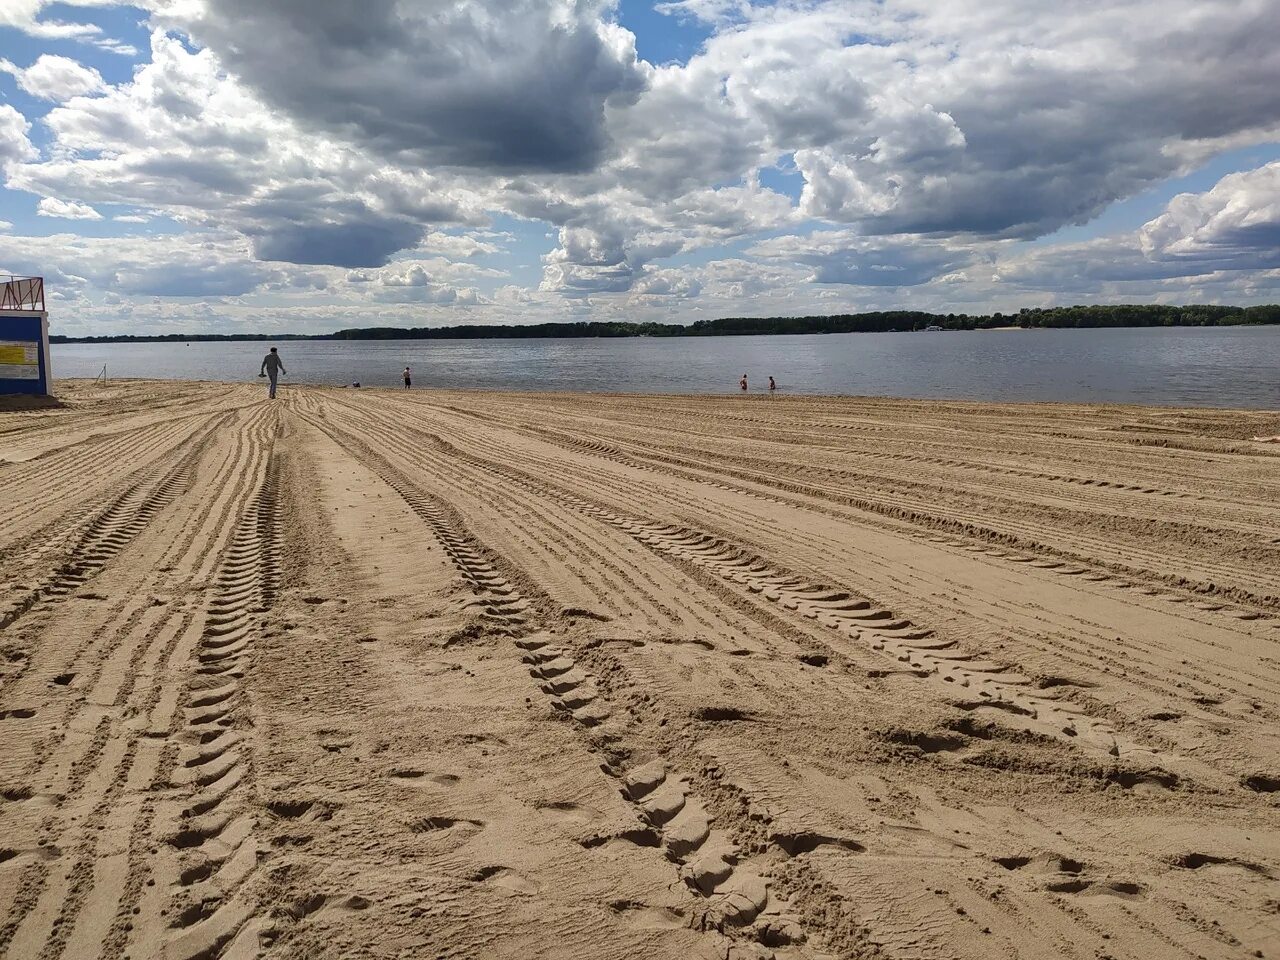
{"type": "Point", "coordinates": [19, 360]}
{"type": "Point", "coordinates": [12, 353]}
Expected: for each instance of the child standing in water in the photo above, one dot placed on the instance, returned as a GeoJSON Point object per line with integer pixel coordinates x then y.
{"type": "Point", "coordinates": [408, 381]}
{"type": "Point", "coordinates": [772, 386]}
{"type": "Point", "coordinates": [743, 383]}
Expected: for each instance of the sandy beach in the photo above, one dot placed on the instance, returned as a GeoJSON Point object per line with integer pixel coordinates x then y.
{"type": "Point", "coordinates": [467, 675]}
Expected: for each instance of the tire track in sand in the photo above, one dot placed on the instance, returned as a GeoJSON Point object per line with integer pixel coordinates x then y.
{"type": "Point", "coordinates": [1101, 562]}
{"type": "Point", "coordinates": [67, 900]}
{"type": "Point", "coordinates": [207, 889]}
{"type": "Point", "coordinates": [733, 894]}
{"type": "Point", "coordinates": [981, 685]}
{"type": "Point", "coordinates": [114, 527]}
{"type": "Point", "coordinates": [1241, 681]}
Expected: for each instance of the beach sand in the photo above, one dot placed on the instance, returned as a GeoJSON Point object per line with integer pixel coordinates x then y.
{"type": "Point", "coordinates": [388, 674]}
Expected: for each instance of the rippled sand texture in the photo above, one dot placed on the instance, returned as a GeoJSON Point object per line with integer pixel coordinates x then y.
{"type": "Point", "coordinates": [389, 674]}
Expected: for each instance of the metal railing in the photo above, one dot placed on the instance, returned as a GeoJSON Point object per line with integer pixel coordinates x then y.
{"type": "Point", "coordinates": [21, 293]}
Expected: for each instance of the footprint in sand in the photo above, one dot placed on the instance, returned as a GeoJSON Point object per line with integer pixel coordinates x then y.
{"type": "Point", "coordinates": [415, 776]}
{"type": "Point", "coordinates": [646, 917]}
{"type": "Point", "coordinates": [567, 811]}
{"type": "Point", "coordinates": [504, 878]}
{"type": "Point", "coordinates": [462, 826]}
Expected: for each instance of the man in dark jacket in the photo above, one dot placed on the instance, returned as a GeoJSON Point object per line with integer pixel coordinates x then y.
{"type": "Point", "coordinates": [272, 367]}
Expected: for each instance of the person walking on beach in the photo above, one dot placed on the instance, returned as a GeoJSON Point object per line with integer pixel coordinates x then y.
{"type": "Point", "coordinates": [743, 383]}
{"type": "Point", "coordinates": [408, 381]}
{"type": "Point", "coordinates": [272, 367]}
{"type": "Point", "coordinates": [772, 386]}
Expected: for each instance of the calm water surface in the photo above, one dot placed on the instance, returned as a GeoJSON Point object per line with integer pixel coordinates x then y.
{"type": "Point", "coordinates": [1196, 366]}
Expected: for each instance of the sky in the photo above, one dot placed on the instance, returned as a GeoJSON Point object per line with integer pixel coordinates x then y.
{"type": "Point", "coordinates": [271, 166]}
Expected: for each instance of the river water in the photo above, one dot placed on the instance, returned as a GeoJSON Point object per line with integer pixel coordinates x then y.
{"type": "Point", "coordinates": [1194, 366]}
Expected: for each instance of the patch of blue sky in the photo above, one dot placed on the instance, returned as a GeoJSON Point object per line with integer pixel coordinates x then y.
{"type": "Point", "coordinates": [865, 40]}
{"type": "Point", "coordinates": [521, 246]}
{"type": "Point", "coordinates": [1128, 215]}
{"type": "Point", "coordinates": [662, 38]}
{"type": "Point", "coordinates": [124, 24]}
{"type": "Point", "coordinates": [783, 178]}
{"type": "Point", "coordinates": [20, 209]}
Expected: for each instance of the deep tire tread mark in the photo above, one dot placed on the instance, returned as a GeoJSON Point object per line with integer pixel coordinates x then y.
{"type": "Point", "coordinates": [220, 852]}
{"type": "Point", "coordinates": [708, 861]}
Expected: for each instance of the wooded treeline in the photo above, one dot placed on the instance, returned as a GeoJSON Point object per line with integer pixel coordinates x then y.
{"type": "Point", "coordinates": [1119, 315]}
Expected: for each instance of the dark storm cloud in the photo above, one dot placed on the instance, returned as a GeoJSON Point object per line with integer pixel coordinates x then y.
{"type": "Point", "coordinates": [369, 244]}
{"type": "Point", "coordinates": [517, 85]}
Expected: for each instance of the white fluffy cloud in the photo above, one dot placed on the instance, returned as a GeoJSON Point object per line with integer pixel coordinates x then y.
{"type": "Point", "coordinates": [153, 267]}
{"type": "Point", "coordinates": [66, 209]}
{"type": "Point", "coordinates": [995, 117]}
{"type": "Point", "coordinates": [14, 142]}
{"type": "Point", "coordinates": [841, 256]}
{"type": "Point", "coordinates": [28, 17]}
{"type": "Point", "coordinates": [55, 78]}
{"type": "Point", "coordinates": [1235, 225]}
{"type": "Point", "coordinates": [184, 137]}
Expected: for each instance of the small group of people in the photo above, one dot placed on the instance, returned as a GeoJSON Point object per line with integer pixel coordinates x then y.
{"type": "Point", "coordinates": [742, 385]}
{"type": "Point", "coordinates": [273, 367]}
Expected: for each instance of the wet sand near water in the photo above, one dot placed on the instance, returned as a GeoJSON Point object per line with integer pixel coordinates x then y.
{"type": "Point", "coordinates": [429, 674]}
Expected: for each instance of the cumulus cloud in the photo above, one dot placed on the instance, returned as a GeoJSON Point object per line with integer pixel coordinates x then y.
{"type": "Point", "coordinates": [456, 246]}
{"type": "Point", "coordinates": [906, 121]}
{"type": "Point", "coordinates": [608, 239]}
{"type": "Point", "coordinates": [55, 78]}
{"type": "Point", "coordinates": [840, 256]}
{"type": "Point", "coordinates": [66, 209]}
{"type": "Point", "coordinates": [1000, 118]}
{"type": "Point", "coordinates": [329, 142]}
{"type": "Point", "coordinates": [521, 85]}
{"type": "Point", "coordinates": [159, 266]}
{"type": "Point", "coordinates": [349, 243]}
{"type": "Point", "coordinates": [1232, 228]}
{"type": "Point", "coordinates": [14, 143]}
{"type": "Point", "coordinates": [27, 16]}
{"type": "Point", "coordinates": [667, 284]}
{"type": "Point", "coordinates": [1235, 225]}
{"type": "Point", "coordinates": [185, 138]}
{"type": "Point", "coordinates": [413, 284]}
{"type": "Point", "coordinates": [189, 278]}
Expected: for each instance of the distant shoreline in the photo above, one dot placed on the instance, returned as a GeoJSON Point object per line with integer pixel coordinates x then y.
{"type": "Point", "coordinates": [891, 321]}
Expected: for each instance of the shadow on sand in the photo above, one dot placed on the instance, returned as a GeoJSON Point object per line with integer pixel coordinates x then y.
{"type": "Point", "coordinates": [11, 402]}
